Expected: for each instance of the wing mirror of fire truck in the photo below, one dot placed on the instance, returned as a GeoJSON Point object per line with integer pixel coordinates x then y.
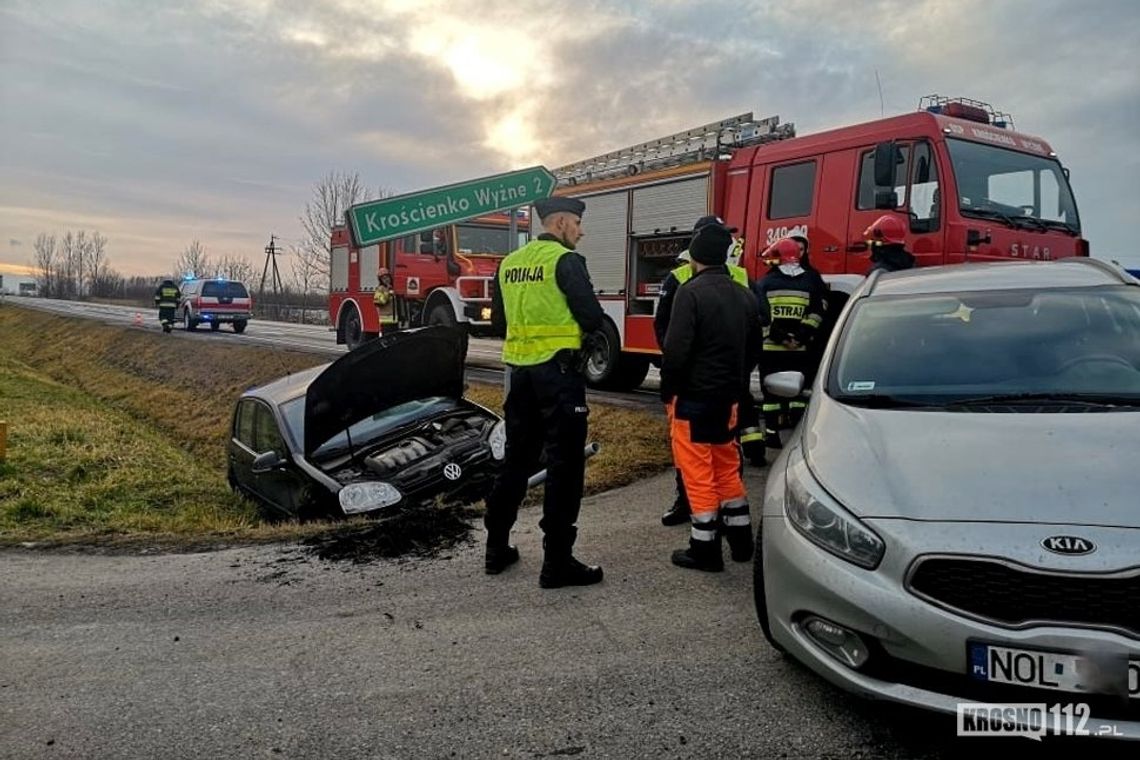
{"type": "Point", "coordinates": [886, 199]}
{"type": "Point", "coordinates": [887, 157]}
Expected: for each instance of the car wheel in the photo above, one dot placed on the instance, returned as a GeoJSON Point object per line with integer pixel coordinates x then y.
{"type": "Point", "coordinates": [189, 322]}
{"type": "Point", "coordinates": [353, 331]}
{"type": "Point", "coordinates": [215, 326]}
{"type": "Point", "coordinates": [441, 314]}
{"type": "Point", "coordinates": [239, 326]}
{"type": "Point", "coordinates": [758, 594]}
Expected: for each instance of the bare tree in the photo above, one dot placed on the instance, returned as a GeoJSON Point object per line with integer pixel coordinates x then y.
{"type": "Point", "coordinates": [332, 197]}
{"type": "Point", "coordinates": [193, 260]}
{"type": "Point", "coordinates": [305, 276]}
{"type": "Point", "coordinates": [95, 260]}
{"type": "Point", "coordinates": [236, 268]}
{"type": "Point", "coordinates": [68, 265]}
{"type": "Point", "coordinates": [45, 252]}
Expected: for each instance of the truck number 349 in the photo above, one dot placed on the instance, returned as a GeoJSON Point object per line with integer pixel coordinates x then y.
{"type": "Point", "coordinates": [777, 233]}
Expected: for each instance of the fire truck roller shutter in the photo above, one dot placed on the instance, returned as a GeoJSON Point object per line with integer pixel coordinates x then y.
{"type": "Point", "coordinates": [603, 245]}
{"type": "Point", "coordinates": [369, 266]}
{"type": "Point", "coordinates": [338, 269]}
{"type": "Point", "coordinates": [670, 206]}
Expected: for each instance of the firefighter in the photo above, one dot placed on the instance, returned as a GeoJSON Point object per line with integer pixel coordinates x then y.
{"type": "Point", "coordinates": [706, 359]}
{"type": "Point", "coordinates": [791, 310]}
{"type": "Point", "coordinates": [385, 302]}
{"type": "Point", "coordinates": [543, 303]}
{"type": "Point", "coordinates": [887, 238]}
{"type": "Point", "coordinates": [678, 514]}
{"type": "Point", "coordinates": [167, 297]}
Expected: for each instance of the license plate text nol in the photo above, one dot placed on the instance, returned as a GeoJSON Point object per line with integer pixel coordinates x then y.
{"type": "Point", "coordinates": [1041, 669]}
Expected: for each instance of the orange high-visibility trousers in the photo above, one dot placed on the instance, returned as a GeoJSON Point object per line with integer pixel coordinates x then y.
{"type": "Point", "coordinates": [711, 471]}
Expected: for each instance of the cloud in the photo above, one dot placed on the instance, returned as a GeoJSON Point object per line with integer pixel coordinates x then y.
{"type": "Point", "coordinates": [166, 121]}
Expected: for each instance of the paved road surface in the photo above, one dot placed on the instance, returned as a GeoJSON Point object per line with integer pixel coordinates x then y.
{"type": "Point", "coordinates": [268, 652]}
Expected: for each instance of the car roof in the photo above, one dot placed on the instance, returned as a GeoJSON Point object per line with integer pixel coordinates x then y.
{"type": "Point", "coordinates": [1003, 275]}
{"type": "Point", "coordinates": [286, 388]}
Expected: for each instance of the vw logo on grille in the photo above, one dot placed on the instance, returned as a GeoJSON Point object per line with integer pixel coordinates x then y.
{"type": "Point", "coordinates": [452, 471]}
{"type": "Point", "coordinates": [1072, 545]}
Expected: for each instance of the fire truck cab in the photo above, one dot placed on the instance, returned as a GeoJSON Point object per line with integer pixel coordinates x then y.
{"type": "Point", "coordinates": [441, 276]}
{"type": "Point", "coordinates": [966, 186]}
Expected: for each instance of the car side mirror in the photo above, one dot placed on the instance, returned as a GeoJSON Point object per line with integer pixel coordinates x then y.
{"type": "Point", "coordinates": [784, 384]}
{"type": "Point", "coordinates": [886, 158]}
{"type": "Point", "coordinates": [267, 462]}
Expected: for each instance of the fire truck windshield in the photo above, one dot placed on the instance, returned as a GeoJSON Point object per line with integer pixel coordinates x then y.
{"type": "Point", "coordinates": [1021, 189]}
{"type": "Point", "coordinates": [473, 239]}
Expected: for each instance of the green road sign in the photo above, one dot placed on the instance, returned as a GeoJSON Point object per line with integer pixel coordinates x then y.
{"type": "Point", "coordinates": [389, 218]}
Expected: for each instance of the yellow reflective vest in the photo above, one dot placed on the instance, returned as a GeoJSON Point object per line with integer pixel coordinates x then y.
{"type": "Point", "coordinates": [539, 321]}
{"type": "Point", "coordinates": [684, 273]}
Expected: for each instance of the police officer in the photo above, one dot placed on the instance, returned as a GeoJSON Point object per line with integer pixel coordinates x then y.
{"type": "Point", "coordinates": [678, 514]}
{"type": "Point", "coordinates": [167, 297]}
{"type": "Point", "coordinates": [385, 302]}
{"type": "Point", "coordinates": [887, 238]}
{"type": "Point", "coordinates": [543, 303]}
{"type": "Point", "coordinates": [705, 369]}
{"type": "Point", "coordinates": [791, 310]}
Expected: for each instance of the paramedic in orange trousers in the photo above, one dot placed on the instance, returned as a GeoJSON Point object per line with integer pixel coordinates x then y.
{"type": "Point", "coordinates": [709, 350]}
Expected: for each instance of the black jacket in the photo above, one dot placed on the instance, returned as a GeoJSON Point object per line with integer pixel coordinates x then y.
{"type": "Point", "coordinates": [573, 280]}
{"type": "Point", "coordinates": [664, 311]}
{"type": "Point", "coordinates": [712, 340]}
{"type": "Point", "coordinates": [801, 322]}
{"type": "Point", "coordinates": [891, 258]}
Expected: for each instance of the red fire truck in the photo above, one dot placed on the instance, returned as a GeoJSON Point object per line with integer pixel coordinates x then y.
{"type": "Point", "coordinates": [966, 185]}
{"type": "Point", "coordinates": [439, 277]}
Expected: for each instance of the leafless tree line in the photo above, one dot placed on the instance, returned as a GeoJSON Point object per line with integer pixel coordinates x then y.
{"type": "Point", "coordinates": [74, 265]}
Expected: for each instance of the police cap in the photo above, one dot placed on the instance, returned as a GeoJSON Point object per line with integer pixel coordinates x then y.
{"type": "Point", "coordinates": [548, 206]}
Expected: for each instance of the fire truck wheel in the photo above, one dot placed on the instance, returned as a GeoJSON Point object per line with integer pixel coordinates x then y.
{"type": "Point", "coordinates": [353, 331]}
{"type": "Point", "coordinates": [441, 314]}
{"type": "Point", "coordinates": [604, 349]}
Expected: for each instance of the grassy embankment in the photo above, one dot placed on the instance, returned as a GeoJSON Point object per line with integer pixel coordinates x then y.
{"type": "Point", "coordinates": [118, 434]}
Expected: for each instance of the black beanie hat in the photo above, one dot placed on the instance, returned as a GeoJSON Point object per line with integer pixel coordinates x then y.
{"type": "Point", "coordinates": [710, 244]}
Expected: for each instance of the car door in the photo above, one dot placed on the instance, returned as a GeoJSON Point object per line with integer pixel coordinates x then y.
{"type": "Point", "coordinates": [280, 486]}
{"type": "Point", "coordinates": [242, 447]}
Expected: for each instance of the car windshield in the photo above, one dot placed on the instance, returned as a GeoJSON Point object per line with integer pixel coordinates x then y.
{"type": "Point", "coordinates": [368, 429]}
{"type": "Point", "coordinates": [222, 289]}
{"type": "Point", "coordinates": [474, 239]}
{"type": "Point", "coordinates": [1021, 189]}
{"type": "Point", "coordinates": [1078, 343]}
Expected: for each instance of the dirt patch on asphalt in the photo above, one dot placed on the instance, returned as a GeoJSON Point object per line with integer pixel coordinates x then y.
{"type": "Point", "coordinates": [426, 532]}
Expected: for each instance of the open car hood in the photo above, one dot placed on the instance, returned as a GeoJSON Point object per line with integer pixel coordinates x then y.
{"type": "Point", "coordinates": [381, 374]}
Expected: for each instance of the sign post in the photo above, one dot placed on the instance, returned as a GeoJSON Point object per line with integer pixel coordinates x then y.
{"type": "Point", "coordinates": [388, 218]}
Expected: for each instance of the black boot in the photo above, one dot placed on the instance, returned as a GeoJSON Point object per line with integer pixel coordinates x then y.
{"type": "Point", "coordinates": [500, 556]}
{"type": "Point", "coordinates": [701, 555]}
{"type": "Point", "coordinates": [678, 514]}
{"type": "Point", "coordinates": [739, 542]}
{"type": "Point", "coordinates": [560, 568]}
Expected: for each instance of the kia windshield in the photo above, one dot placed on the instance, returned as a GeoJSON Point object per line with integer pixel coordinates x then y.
{"type": "Point", "coordinates": [1078, 346]}
{"type": "Point", "coordinates": [1019, 189]}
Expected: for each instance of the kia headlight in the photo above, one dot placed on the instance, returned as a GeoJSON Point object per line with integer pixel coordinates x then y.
{"type": "Point", "coordinates": [367, 497]}
{"type": "Point", "coordinates": [824, 522]}
{"type": "Point", "coordinates": [498, 440]}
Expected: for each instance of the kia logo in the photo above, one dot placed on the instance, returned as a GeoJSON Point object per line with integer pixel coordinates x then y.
{"type": "Point", "coordinates": [452, 471]}
{"type": "Point", "coordinates": [1068, 545]}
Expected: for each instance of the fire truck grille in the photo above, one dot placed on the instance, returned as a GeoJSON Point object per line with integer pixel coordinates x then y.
{"type": "Point", "coordinates": [1007, 595]}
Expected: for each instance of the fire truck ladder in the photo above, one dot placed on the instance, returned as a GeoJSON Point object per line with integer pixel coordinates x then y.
{"type": "Point", "coordinates": [710, 141]}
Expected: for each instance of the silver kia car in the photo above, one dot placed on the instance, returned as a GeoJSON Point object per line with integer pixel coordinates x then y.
{"type": "Point", "coordinates": [956, 519]}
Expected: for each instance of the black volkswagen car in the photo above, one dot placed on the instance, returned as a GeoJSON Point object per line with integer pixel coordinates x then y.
{"type": "Point", "coordinates": [382, 426]}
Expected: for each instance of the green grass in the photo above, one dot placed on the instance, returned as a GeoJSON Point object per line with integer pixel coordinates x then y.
{"type": "Point", "coordinates": [120, 434]}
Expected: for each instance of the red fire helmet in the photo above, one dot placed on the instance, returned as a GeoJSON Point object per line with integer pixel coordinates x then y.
{"type": "Point", "coordinates": [783, 251]}
{"type": "Point", "coordinates": [885, 230]}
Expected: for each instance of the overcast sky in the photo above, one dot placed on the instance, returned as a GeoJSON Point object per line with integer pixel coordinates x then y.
{"type": "Point", "coordinates": [158, 122]}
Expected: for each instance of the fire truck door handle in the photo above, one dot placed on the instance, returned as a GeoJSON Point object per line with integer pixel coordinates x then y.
{"type": "Point", "coordinates": [830, 248]}
{"type": "Point", "coordinates": [856, 247]}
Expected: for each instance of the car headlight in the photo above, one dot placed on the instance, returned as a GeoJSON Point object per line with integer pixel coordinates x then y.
{"type": "Point", "coordinates": [367, 496]}
{"type": "Point", "coordinates": [821, 520]}
{"type": "Point", "coordinates": [498, 440]}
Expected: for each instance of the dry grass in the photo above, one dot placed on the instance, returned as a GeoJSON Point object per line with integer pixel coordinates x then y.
{"type": "Point", "coordinates": [122, 412]}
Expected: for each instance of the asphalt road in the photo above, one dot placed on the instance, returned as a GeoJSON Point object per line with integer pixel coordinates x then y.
{"type": "Point", "coordinates": [271, 652]}
{"type": "Point", "coordinates": [484, 355]}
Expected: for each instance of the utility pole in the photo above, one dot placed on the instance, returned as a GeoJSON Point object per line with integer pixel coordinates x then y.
{"type": "Point", "coordinates": [271, 251]}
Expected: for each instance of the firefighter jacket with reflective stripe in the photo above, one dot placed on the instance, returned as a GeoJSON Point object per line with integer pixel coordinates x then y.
{"type": "Point", "coordinates": [167, 297]}
{"type": "Point", "coordinates": [538, 317]}
{"type": "Point", "coordinates": [384, 303]}
{"type": "Point", "coordinates": [791, 308]}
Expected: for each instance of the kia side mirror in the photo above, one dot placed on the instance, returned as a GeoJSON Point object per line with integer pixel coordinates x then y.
{"type": "Point", "coordinates": [784, 384]}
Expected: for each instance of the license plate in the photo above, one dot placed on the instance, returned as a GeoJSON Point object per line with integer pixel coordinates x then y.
{"type": "Point", "coordinates": [1059, 671]}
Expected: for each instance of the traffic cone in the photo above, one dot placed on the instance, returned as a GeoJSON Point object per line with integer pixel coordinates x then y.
{"type": "Point", "coordinates": [138, 319]}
